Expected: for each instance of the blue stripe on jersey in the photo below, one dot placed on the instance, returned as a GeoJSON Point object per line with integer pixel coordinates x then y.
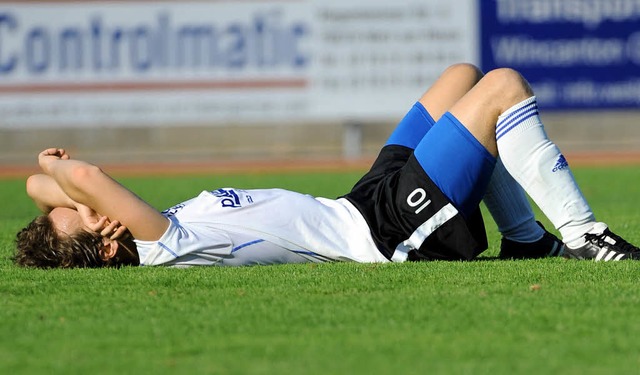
{"type": "Point", "coordinates": [516, 118]}
{"type": "Point", "coordinates": [245, 245]}
{"type": "Point", "coordinates": [303, 252]}
{"type": "Point", "coordinates": [167, 249]}
{"type": "Point", "coordinates": [312, 255]}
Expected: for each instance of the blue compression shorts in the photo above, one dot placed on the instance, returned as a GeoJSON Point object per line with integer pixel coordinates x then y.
{"type": "Point", "coordinates": [456, 162]}
{"type": "Point", "coordinates": [410, 130]}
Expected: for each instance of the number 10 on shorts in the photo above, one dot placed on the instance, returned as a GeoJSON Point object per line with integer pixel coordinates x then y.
{"type": "Point", "coordinates": [417, 199]}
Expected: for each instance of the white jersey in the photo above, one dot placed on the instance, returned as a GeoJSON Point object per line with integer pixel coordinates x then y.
{"type": "Point", "coordinates": [231, 227]}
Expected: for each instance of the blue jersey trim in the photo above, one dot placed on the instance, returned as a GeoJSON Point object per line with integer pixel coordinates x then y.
{"type": "Point", "coordinates": [245, 245]}
{"type": "Point", "coordinates": [165, 247]}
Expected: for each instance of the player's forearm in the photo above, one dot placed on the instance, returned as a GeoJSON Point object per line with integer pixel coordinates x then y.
{"type": "Point", "coordinates": [77, 179]}
{"type": "Point", "coordinates": [46, 193]}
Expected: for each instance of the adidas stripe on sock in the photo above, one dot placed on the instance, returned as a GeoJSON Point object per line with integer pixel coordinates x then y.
{"type": "Point", "coordinates": [539, 167]}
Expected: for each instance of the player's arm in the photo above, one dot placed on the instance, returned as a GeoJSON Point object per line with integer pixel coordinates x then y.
{"type": "Point", "coordinates": [88, 185]}
{"type": "Point", "coordinates": [46, 193]}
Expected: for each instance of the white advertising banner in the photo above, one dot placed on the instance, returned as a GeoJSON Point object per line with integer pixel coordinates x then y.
{"type": "Point", "coordinates": [117, 63]}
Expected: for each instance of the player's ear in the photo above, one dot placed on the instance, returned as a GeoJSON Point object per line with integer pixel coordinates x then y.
{"type": "Point", "coordinates": [109, 249]}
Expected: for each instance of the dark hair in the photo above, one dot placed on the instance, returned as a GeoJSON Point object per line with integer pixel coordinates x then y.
{"type": "Point", "coordinates": [39, 245]}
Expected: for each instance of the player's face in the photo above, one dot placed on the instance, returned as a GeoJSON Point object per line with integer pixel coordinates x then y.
{"type": "Point", "coordinates": [66, 221]}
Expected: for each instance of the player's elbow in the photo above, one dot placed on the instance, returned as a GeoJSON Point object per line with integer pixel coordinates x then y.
{"type": "Point", "coordinates": [33, 185]}
{"type": "Point", "coordinates": [82, 180]}
{"type": "Point", "coordinates": [37, 185]}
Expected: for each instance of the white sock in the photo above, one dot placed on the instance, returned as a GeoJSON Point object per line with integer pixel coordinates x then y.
{"type": "Point", "coordinates": [509, 207]}
{"type": "Point", "coordinates": [539, 167]}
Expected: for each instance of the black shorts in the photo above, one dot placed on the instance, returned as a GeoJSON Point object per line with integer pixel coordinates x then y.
{"type": "Point", "coordinates": [407, 213]}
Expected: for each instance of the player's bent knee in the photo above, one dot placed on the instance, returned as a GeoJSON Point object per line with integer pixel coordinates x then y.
{"type": "Point", "coordinates": [465, 70]}
{"type": "Point", "coordinates": [508, 85]}
{"type": "Point", "coordinates": [508, 80]}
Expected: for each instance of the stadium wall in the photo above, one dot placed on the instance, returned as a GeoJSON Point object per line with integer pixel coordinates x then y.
{"type": "Point", "coordinates": [291, 79]}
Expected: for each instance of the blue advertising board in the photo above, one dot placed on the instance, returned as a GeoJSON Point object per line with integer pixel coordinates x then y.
{"type": "Point", "coordinates": [577, 54]}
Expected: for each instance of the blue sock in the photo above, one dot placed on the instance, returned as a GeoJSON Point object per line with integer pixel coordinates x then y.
{"type": "Point", "coordinates": [510, 208]}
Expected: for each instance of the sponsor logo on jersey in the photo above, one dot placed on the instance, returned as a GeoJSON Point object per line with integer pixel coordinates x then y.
{"type": "Point", "coordinates": [173, 210]}
{"type": "Point", "coordinates": [229, 198]}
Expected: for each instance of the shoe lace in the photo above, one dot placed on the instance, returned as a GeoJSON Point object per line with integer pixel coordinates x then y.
{"type": "Point", "coordinates": [619, 245]}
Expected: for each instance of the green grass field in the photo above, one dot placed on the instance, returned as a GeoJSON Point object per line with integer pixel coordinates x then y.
{"type": "Point", "coordinates": [482, 317]}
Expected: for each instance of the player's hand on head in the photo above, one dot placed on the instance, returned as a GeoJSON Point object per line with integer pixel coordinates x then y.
{"type": "Point", "coordinates": [91, 218]}
{"type": "Point", "coordinates": [115, 231]}
{"type": "Point", "coordinates": [100, 224]}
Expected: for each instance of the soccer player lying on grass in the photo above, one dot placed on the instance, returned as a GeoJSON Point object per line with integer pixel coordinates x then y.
{"type": "Point", "coordinates": [419, 201]}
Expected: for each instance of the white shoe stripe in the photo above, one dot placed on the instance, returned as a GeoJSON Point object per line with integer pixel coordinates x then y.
{"type": "Point", "coordinates": [601, 254]}
{"type": "Point", "coordinates": [610, 256]}
{"type": "Point", "coordinates": [619, 256]}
